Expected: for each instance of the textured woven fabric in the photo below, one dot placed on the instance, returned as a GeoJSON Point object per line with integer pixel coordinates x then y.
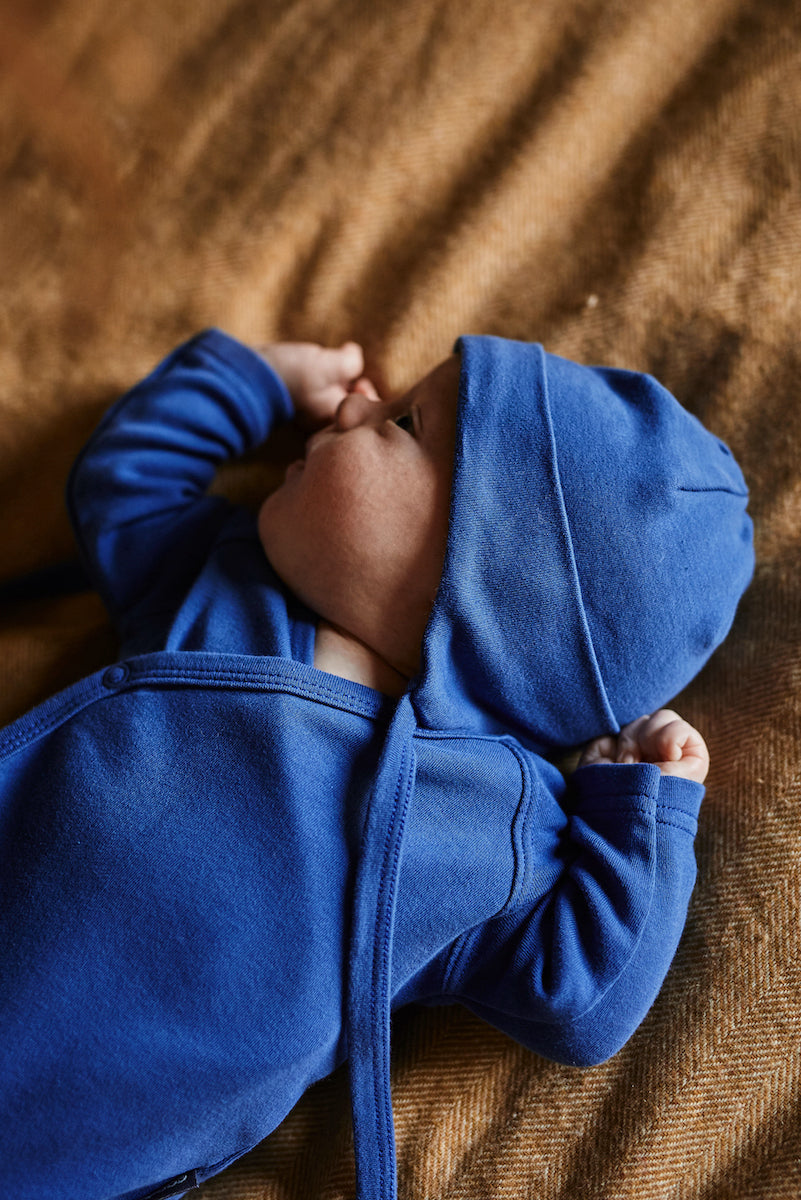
{"type": "Point", "coordinates": [619, 180]}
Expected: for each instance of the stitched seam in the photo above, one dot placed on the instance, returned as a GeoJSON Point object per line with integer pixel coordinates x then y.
{"type": "Point", "coordinates": [726, 491]}
{"type": "Point", "coordinates": [253, 682]}
{"type": "Point", "coordinates": [268, 681]}
{"type": "Point", "coordinates": [685, 825]}
{"type": "Point", "coordinates": [518, 830]}
{"type": "Point", "coordinates": [38, 728]}
{"type": "Point", "coordinates": [381, 959]}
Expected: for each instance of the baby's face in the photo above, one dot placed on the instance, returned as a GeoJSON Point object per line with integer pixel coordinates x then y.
{"type": "Point", "coordinates": [358, 528]}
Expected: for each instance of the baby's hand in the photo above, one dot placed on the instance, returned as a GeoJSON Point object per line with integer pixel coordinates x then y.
{"type": "Point", "coordinates": [318, 379]}
{"type": "Point", "coordinates": [662, 738]}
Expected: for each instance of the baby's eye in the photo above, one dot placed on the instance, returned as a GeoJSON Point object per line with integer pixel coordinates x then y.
{"type": "Point", "coordinates": [405, 422]}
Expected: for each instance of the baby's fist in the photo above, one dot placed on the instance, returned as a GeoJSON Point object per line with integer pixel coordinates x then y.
{"type": "Point", "coordinates": [663, 738]}
{"type": "Point", "coordinates": [317, 378]}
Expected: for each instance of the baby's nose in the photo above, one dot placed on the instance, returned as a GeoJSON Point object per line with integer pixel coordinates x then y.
{"type": "Point", "coordinates": [354, 410]}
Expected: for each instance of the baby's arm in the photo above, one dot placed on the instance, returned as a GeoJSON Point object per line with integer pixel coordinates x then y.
{"type": "Point", "coordinates": [573, 968]}
{"type": "Point", "coordinates": [663, 738]}
{"type": "Point", "coordinates": [137, 494]}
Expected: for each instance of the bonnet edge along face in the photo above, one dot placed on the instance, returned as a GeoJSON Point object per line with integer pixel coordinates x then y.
{"type": "Point", "coordinates": [508, 648]}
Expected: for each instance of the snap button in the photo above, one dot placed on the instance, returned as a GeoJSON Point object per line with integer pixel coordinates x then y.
{"type": "Point", "coordinates": [115, 676]}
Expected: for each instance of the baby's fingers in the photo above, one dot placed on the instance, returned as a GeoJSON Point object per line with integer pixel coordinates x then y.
{"type": "Point", "coordinates": [349, 359]}
{"type": "Point", "coordinates": [672, 743]}
{"type": "Point", "coordinates": [365, 387]}
{"type": "Point", "coordinates": [328, 377]}
{"type": "Point", "coordinates": [628, 741]}
{"type": "Point", "coordinates": [600, 750]}
{"type": "Point", "coordinates": [662, 736]}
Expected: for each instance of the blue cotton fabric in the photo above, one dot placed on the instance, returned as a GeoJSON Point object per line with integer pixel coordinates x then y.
{"type": "Point", "coordinates": [598, 545]}
{"type": "Point", "coordinates": [223, 868]}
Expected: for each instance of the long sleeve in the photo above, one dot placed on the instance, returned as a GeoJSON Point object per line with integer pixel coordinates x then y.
{"type": "Point", "coordinates": [571, 967]}
{"type": "Point", "coordinates": [137, 493]}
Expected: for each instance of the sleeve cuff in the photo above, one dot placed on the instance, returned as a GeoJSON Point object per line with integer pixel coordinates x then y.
{"type": "Point", "coordinates": [621, 785]}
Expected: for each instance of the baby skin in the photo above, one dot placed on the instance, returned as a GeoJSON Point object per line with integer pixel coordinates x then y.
{"type": "Point", "coordinates": [359, 526]}
{"type": "Point", "coordinates": [358, 531]}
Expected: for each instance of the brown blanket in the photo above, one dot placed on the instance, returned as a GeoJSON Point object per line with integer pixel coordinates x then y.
{"type": "Point", "coordinates": [620, 179]}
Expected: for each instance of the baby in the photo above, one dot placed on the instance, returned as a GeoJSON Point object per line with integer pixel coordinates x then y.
{"type": "Point", "coordinates": [378, 503]}
{"type": "Point", "coordinates": [358, 529]}
{"type": "Point", "coordinates": [319, 784]}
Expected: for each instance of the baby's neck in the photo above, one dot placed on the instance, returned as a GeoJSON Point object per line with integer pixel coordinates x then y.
{"type": "Point", "coordinates": [340, 653]}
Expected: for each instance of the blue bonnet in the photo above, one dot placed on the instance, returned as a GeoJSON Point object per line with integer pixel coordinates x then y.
{"type": "Point", "coordinates": [598, 546]}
